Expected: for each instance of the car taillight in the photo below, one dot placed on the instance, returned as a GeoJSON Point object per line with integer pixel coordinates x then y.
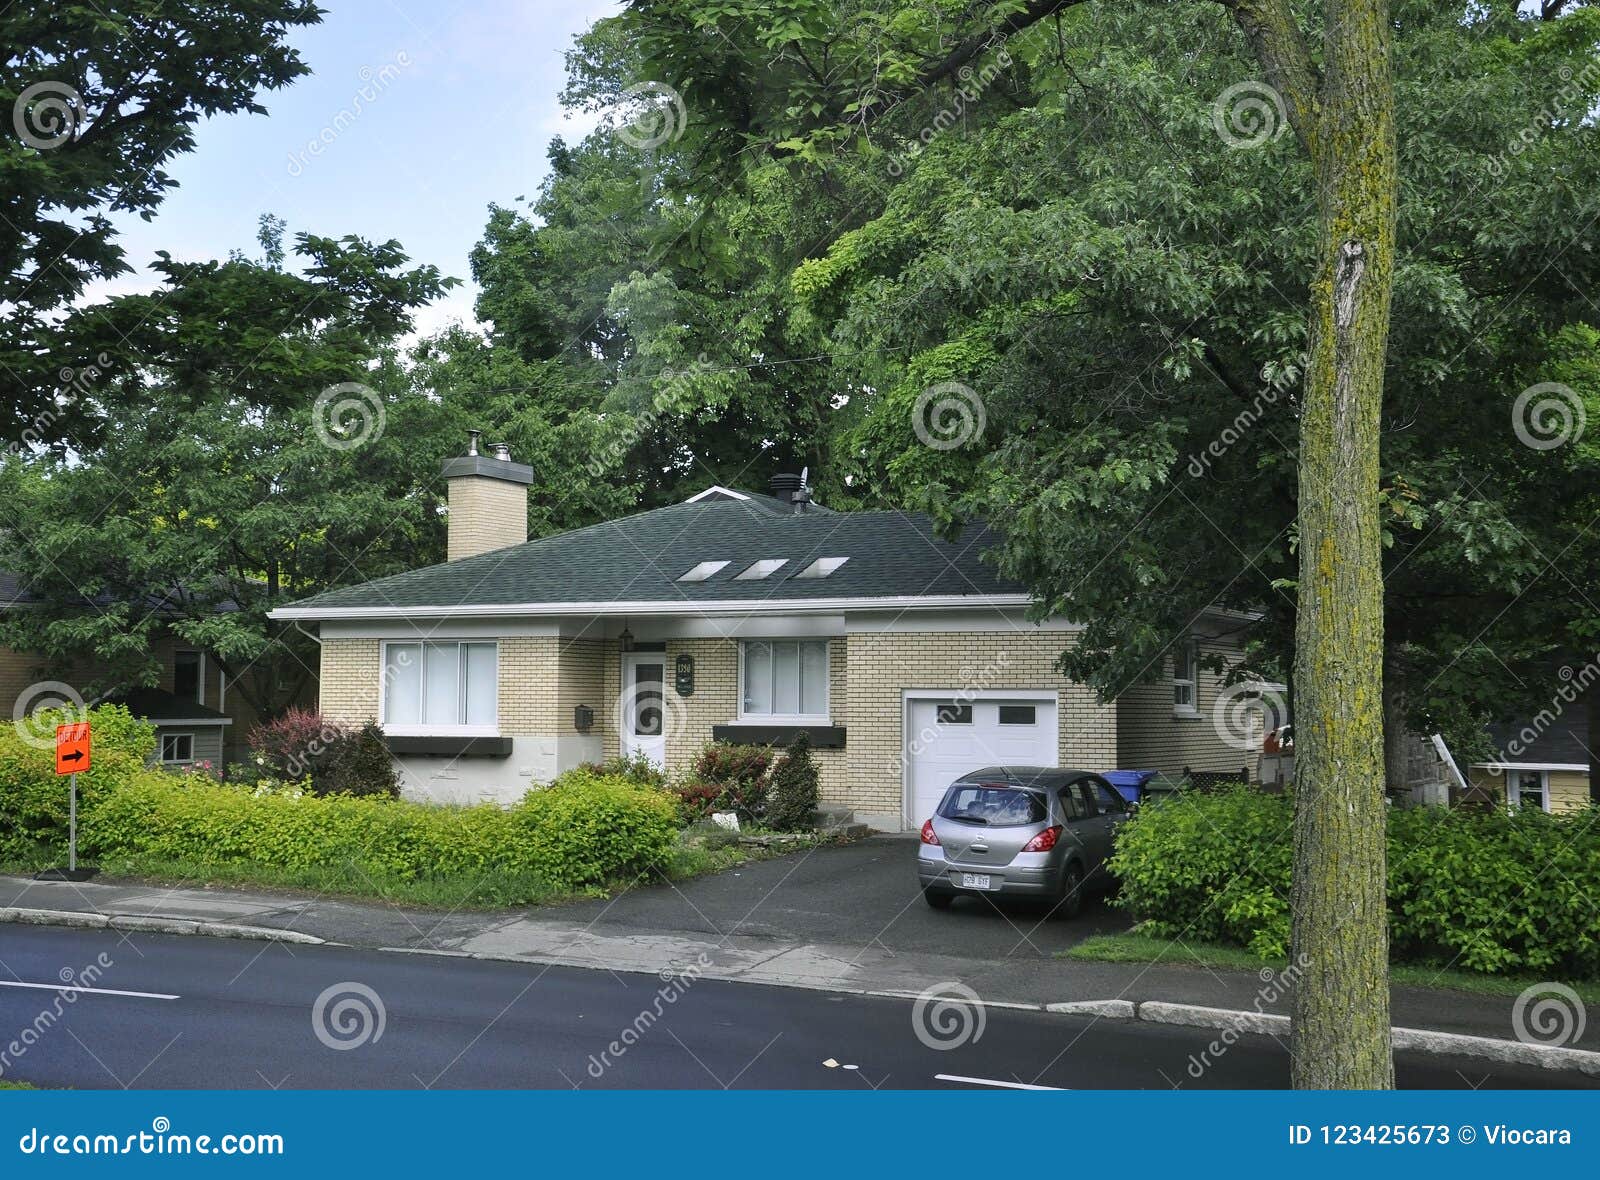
{"type": "Point", "coordinates": [929, 836]}
{"type": "Point", "coordinates": [1044, 841]}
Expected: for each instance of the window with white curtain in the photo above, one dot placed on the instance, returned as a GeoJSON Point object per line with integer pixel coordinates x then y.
{"type": "Point", "coordinates": [439, 685]}
{"type": "Point", "coordinates": [785, 678]}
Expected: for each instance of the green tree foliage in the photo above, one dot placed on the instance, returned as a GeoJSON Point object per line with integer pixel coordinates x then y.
{"type": "Point", "coordinates": [114, 90]}
{"type": "Point", "coordinates": [211, 478]}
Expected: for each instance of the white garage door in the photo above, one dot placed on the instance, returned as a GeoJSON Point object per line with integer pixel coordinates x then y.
{"type": "Point", "coordinates": [948, 738]}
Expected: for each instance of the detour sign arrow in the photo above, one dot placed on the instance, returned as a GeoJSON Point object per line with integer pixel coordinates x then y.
{"type": "Point", "coordinates": [72, 748]}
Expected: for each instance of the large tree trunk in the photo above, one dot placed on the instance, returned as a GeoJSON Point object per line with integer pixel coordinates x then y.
{"type": "Point", "coordinates": [1341, 1005]}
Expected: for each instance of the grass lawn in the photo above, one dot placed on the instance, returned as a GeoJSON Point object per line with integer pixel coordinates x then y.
{"type": "Point", "coordinates": [1144, 948]}
{"type": "Point", "coordinates": [488, 890]}
{"type": "Point", "coordinates": [5, 1085]}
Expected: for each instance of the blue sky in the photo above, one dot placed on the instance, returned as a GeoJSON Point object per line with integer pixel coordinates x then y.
{"type": "Point", "coordinates": [463, 102]}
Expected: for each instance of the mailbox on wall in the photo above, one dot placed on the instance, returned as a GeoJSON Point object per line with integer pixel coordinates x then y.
{"type": "Point", "coordinates": [582, 718]}
{"type": "Point", "coordinates": [683, 675]}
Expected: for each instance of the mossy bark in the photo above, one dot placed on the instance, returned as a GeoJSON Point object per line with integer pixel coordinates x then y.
{"type": "Point", "coordinates": [1345, 118]}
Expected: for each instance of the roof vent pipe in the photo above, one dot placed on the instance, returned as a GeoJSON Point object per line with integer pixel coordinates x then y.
{"type": "Point", "coordinates": [784, 486]}
{"type": "Point", "coordinates": [502, 451]}
{"type": "Point", "coordinates": [472, 441]}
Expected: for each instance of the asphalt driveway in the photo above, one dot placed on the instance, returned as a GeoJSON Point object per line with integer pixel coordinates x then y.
{"type": "Point", "coordinates": [860, 894]}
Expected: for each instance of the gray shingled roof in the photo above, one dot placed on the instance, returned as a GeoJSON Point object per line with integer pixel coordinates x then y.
{"type": "Point", "coordinates": [1564, 743]}
{"type": "Point", "coordinates": [639, 559]}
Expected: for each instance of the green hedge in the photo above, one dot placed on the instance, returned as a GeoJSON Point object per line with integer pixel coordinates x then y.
{"type": "Point", "coordinates": [585, 832]}
{"type": "Point", "coordinates": [1497, 892]}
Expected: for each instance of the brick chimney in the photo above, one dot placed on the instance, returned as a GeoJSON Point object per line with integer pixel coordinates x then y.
{"type": "Point", "coordinates": [488, 500]}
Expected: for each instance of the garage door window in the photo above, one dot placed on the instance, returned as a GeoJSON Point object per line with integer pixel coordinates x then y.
{"type": "Point", "coordinates": [785, 678]}
{"type": "Point", "coordinates": [1016, 714]}
{"type": "Point", "coordinates": [953, 714]}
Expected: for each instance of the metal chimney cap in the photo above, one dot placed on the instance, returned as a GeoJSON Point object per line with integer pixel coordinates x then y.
{"type": "Point", "coordinates": [502, 451]}
{"type": "Point", "coordinates": [472, 442]}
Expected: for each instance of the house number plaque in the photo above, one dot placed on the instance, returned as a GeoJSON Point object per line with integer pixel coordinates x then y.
{"type": "Point", "coordinates": [683, 675]}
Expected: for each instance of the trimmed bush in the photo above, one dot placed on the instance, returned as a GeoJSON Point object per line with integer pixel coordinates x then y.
{"type": "Point", "coordinates": [1493, 891]}
{"type": "Point", "coordinates": [1211, 867]}
{"type": "Point", "coordinates": [587, 832]}
{"type": "Point", "coordinates": [337, 759]}
{"type": "Point", "coordinates": [696, 800]}
{"type": "Point", "coordinates": [741, 774]}
{"type": "Point", "coordinates": [589, 829]}
{"type": "Point", "coordinates": [636, 768]}
{"type": "Point", "coordinates": [794, 788]}
{"type": "Point", "coordinates": [33, 798]}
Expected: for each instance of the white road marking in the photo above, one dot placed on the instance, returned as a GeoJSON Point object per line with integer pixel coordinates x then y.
{"type": "Point", "coordinates": [955, 1077]}
{"type": "Point", "coordinates": [88, 991]}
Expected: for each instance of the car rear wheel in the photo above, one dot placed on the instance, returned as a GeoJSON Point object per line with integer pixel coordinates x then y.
{"type": "Point", "coordinates": [939, 899]}
{"type": "Point", "coordinates": [1071, 903]}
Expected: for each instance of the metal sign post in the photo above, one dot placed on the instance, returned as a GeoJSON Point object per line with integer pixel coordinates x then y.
{"type": "Point", "coordinates": [72, 756]}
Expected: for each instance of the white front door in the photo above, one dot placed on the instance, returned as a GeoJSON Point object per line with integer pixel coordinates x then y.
{"type": "Point", "coordinates": [641, 713]}
{"type": "Point", "coordinates": [949, 737]}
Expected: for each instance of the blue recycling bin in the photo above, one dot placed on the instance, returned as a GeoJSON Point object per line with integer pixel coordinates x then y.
{"type": "Point", "coordinates": [1130, 784]}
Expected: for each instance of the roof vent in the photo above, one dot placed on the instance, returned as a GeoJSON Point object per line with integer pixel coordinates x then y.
{"type": "Point", "coordinates": [784, 486]}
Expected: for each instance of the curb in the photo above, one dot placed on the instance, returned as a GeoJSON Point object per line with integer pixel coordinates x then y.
{"type": "Point", "coordinates": [149, 924]}
{"type": "Point", "coordinates": [1417, 1040]}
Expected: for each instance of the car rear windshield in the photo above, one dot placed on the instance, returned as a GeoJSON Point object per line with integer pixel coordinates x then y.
{"type": "Point", "coordinates": [992, 806]}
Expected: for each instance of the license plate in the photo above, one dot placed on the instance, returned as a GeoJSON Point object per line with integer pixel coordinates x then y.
{"type": "Point", "coordinates": [974, 880]}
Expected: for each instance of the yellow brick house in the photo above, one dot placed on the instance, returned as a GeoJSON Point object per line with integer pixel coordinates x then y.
{"type": "Point", "coordinates": [738, 616]}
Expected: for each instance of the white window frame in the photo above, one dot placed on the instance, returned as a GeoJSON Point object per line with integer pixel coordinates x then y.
{"type": "Point", "coordinates": [1514, 798]}
{"type": "Point", "coordinates": [1188, 652]}
{"type": "Point", "coordinates": [822, 718]}
{"type": "Point", "coordinates": [165, 761]}
{"type": "Point", "coordinates": [451, 730]}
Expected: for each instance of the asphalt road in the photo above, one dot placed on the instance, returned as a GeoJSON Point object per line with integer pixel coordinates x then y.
{"type": "Point", "coordinates": [173, 1012]}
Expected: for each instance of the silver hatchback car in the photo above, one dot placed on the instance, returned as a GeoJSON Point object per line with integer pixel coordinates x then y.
{"type": "Point", "coordinates": [1020, 831]}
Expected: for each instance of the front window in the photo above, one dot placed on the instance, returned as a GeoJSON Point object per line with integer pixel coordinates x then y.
{"type": "Point", "coordinates": [1528, 788]}
{"type": "Point", "coordinates": [440, 685]}
{"type": "Point", "coordinates": [1183, 678]}
{"type": "Point", "coordinates": [785, 678]}
{"type": "Point", "coordinates": [992, 806]}
{"type": "Point", "coordinates": [177, 747]}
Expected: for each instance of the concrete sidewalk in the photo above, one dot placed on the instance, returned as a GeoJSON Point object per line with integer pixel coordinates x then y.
{"type": "Point", "coordinates": [550, 936]}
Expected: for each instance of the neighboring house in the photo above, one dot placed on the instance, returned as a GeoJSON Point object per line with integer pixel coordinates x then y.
{"type": "Point", "coordinates": [1545, 768]}
{"type": "Point", "coordinates": [736, 616]}
{"type": "Point", "coordinates": [197, 718]}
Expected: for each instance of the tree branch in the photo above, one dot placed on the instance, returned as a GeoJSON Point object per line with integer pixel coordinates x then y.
{"type": "Point", "coordinates": [1274, 35]}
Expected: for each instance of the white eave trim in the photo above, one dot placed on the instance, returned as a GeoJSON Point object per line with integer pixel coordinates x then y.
{"type": "Point", "coordinates": [1579, 766]}
{"type": "Point", "coordinates": [762, 606]}
{"type": "Point", "coordinates": [715, 489]}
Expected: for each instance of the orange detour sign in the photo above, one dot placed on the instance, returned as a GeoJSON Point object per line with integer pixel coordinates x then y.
{"type": "Point", "coordinates": [72, 748]}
